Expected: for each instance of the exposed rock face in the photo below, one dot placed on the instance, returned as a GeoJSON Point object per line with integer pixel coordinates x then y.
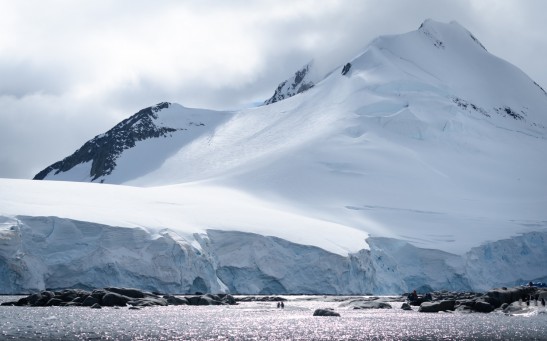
{"type": "Point", "coordinates": [346, 69]}
{"type": "Point", "coordinates": [300, 82]}
{"type": "Point", "coordinates": [104, 149]}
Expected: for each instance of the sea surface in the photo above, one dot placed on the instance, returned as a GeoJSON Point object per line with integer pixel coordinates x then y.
{"type": "Point", "coordinates": [263, 321]}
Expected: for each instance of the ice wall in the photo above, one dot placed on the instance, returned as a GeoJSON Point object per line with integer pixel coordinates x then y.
{"type": "Point", "coordinates": [50, 252]}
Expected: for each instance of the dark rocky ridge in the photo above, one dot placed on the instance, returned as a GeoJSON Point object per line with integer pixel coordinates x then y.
{"type": "Point", "coordinates": [116, 297]}
{"type": "Point", "coordinates": [104, 149]}
{"type": "Point", "coordinates": [498, 298]}
{"type": "Point", "coordinates": [293, 86]}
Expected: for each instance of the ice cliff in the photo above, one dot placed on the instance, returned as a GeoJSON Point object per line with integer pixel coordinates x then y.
{"type": "Point", "coordinates": [48, 252]}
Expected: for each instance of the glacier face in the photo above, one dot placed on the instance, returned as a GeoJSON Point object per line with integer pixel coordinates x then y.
{"type": "Point", "coordinates": [50, 252]}
{"type": "Point", "coordinates": [423, 164]}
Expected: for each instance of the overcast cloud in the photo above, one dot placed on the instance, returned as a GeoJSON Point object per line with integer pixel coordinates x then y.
{"type": "Point", "coordinates": [70, 70]}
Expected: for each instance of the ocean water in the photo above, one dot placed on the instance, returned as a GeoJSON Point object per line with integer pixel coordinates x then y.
{"type": "Point", "coordinates": [263, 321]}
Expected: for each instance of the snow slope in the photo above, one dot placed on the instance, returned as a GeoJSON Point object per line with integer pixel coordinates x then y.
{"type": "Point", "coordinates": [425, 145]}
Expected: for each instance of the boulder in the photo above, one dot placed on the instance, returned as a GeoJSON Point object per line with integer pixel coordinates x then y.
{"type": "Point", "coordinates": [464, 309]}
{"type": "Point", "coordinates": [227, 299]}
{"type": "Point", "coordinates": [32, 299]}
{"type": "Point", "coordinates": [112, 299]}
{"type": "Point", "coordinates": [172, 300]}
{"type": "Point", "coordinates": [207, 299]}
{"type": "Point", "coordinates": [11, 303]}
{"type": "Point", "coordinates": [89, 301]}
{"type": "Point", "coordinates": [372, 305]}
{"type": "Point", "coordinates": [47, 294]}
{"type": "Point", "coordinates": [54, 302]}
{"type": "Point", "coordinates": [96, 306]}
{"type": "Point", "coordinates": [193, 300]}
{"type": "Point", "coordinates": [406, 306]}
{"type": "Point", "coordinates": [22, 301]}
{"type": "Point", "coordinates": [466, 303]}
{"type": "Point", "coordinates": [325, 312]}
{"type": "Point", "coordinates": [483, 307]}
{"type": "Point", "coordinates": [148, 302]}
{"type": "Point", "coordinates": [129, 292]}
{"type": "Point", "coordinates": [435, 307]}
{"type": "Point", "coordinates": [79, 299]}
{"type": "Point", "coordinates": [260, 299]}
{"type": "Point", "coordinates": [496, 297]}
{"type": "Point", "coordinates": [98, 294]}
{"type": "Point", "coordinates": [42, 301]}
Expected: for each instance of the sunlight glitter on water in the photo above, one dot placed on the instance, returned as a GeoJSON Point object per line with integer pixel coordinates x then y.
{"type": "Point", "coordinates": [262, 321]}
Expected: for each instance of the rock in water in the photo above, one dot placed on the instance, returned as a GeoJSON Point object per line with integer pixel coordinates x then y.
{"type": "Point", "coordinates": [483, 307]}
{"type": "Point", "coordinates": [435, 307]}
{"type": "Point", "coordinates": [325, 312]}
{"type": "Point", "coordinates": [406, 306]}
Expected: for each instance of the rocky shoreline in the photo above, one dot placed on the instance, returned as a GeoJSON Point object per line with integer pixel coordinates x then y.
{"type": "Point", "coordinates": [502, 299]}
{"type": "Point", "coordinates": [116, 297]}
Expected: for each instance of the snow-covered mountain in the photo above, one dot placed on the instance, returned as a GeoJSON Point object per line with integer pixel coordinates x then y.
{"type": "Point", "coordinates": [419, 163]}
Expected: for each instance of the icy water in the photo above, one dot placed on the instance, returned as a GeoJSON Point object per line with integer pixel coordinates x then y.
{"type": "Point", "coordinates": [263, 321]}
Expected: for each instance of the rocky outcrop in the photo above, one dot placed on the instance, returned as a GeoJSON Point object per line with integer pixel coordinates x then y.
{"type": "Point", "coordinates": [346, 69]}
{"type": "Point", "coordinates": [260, 299]}
{"type": "Point", "coordinates": [366, 303]}
{"type": "Point", "coordinates": [116, 297]}
{"type": "Point", "coordinates": [300, 82]}
{"type": "Point", "coordinates": [499, 298]}
{"type": "Point", "coordinates": [103, 150]}
{"type": "Point", "coordinates": [435, 307]}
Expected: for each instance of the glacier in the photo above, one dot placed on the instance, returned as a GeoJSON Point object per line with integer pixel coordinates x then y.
{"type": "Point", "coordinates": [50, 252]}
{"type": "Point", "coordinates": [420, 163]}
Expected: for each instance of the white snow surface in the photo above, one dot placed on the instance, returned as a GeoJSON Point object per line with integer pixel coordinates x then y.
{"type": "Point", "coordinates": [186, 209]}
{"type": "Point", "coordinates": [428, 142]}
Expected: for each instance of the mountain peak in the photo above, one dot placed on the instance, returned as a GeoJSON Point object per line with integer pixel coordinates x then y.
{"type": "Point", "coordinates": [300, 82]}
{"type": "Point", "coordinates": [421, 82]}
{"type": "Point", "coordinates": [440, 32]}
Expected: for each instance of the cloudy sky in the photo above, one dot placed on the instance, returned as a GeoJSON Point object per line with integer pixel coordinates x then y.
{"type": "Point", "coordinates": [72, 69]}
